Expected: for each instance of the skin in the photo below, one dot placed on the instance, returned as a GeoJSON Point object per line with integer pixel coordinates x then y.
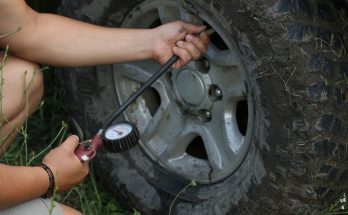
{"type": "Point", "coordinates": [34, 38]}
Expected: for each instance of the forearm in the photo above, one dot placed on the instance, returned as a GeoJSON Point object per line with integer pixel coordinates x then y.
{"type": "Point", "coordinates": [19, 184]}
{"type": "Point", "coordinates": [59, 41]}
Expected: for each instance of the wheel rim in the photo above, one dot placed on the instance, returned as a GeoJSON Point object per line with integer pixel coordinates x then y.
{"type": "Point", "coordinates": [196, 121]}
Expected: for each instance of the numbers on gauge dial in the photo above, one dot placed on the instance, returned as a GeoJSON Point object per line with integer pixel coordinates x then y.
{"type": "Point", "coordinates": [118, 131]}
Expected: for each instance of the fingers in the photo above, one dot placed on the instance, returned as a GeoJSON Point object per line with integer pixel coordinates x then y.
{"type": "Point", "coordinates": [71, 143]}
{"type": "Point", "coordinates": [85, 168]}
{"type": "Point", "coordinates": [193, 29]}
{"type": "Point", "coordinates": [194, 45]}
{"type": "Point", "coordinates": [191, 49]}
{"type": "Point", "coordinates": [197, 42]}
{"type": "Point", "coordinates": [184, 57]}
{"type": "Point", "coordinates": [204, 37]}
{"type": "Point", "coordinates": [185, 40]}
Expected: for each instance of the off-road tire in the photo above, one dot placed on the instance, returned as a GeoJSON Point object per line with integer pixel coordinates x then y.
{"type": "Point", "coordinates": [296, 61]}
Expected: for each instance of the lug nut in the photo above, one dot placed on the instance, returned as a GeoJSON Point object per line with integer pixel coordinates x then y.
{"type": "Point", "coordinates": [215, 93]}
{"type": "Point", "coordinates": [204, 115]}
{"type": "Point", "coordinates": [218, 92]}
{"type": "Point", "coordinates": [207, 114]}
{"type": "Point", "coordinates": [205, 64]}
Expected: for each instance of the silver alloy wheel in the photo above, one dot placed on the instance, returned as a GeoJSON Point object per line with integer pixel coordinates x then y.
{"type": "Point", "coordinates": [196, 121]}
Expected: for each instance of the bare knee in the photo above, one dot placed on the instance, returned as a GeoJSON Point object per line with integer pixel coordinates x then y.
{"type": "Point", "coordinates": [22, 88]}
{"type": "Point", "coordinates": [21, 93]}
{"type": "Point", "coordinates": [69, 211]}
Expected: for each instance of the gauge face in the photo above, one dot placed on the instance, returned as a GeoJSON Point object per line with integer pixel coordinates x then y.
{"type": "Point", "coordinates": [118, 131]}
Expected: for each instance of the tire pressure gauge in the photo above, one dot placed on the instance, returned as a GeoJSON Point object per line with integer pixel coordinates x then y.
{"type": "Point", "coordinates": [120, 137]}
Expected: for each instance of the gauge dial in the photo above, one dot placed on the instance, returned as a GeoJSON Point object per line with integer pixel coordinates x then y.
{"type": "Point", "coordinates": [120, 137]}
{"type": "Point", "coordinates": [118, 131]}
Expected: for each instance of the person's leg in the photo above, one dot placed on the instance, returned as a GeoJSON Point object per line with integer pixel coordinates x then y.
{"type": "Point", "coordinates": [40, 207]}
{"type": "Point", "coordinates": [69, 211]}
{"type": "Point", "coordinates": [22, 91]}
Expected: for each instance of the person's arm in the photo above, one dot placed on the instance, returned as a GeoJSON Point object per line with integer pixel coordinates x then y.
{"type": "Point", "coordinates": [19, 184]}
{"type": "Point", "coordinates": [56, 40]}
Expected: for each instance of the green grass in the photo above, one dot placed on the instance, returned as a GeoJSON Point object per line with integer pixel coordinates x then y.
{"type": "Point", "coordinates": [47, 128]}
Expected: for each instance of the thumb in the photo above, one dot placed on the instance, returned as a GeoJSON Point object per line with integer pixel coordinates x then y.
{"type": "Point", "coordinates": [71, 142]}
{"type": "Point", "coordinates": [194, 29]}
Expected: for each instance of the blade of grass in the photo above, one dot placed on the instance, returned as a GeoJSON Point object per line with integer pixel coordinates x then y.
{"type": "Point", "coordinates": [60, 134]}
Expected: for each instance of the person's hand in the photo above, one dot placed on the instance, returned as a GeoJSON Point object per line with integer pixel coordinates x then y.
{"type": "Point", "coordinates": [65, 165]}
{"type": "Point", "coordinates": [181, 39]}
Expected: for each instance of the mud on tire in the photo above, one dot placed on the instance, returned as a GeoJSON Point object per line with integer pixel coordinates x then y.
{"type": "Point", "coordinates": [295, 61]}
